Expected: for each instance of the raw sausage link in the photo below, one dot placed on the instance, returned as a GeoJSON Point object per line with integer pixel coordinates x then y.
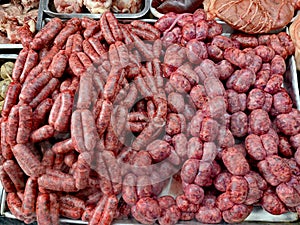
{"type": "Point", "coordinates": [45, 92]}
{"type": "Point", "coordinates": [15, 174]}
{"type": "Point", "coordinates": [83, 130]}
{"type": "Point", "coordinates": [114, 26]}
{"type": "Point", "coordinates": [40, 113]}
{"type": "Point", "coordinates": [31, 62]}
{"type": "Point", "coordinates": [43, 209]}
{"type": "Point", "coordinates": [5, 148]}
{"type": "Point", "coordinates": [41, 134]}
{"type": "Point", "coordinates": [84, 94]}
{"type": "Point", "coordinates": [34, 87]}
{"type": "Point", "coordinates": [47, 34]}
{"type": "Point", "coordinates": [55, 183]}
{"type": "Point", "coordinates": [70, 28]}
{"type": "Point", "coordinates": [62, 122]}
{"type": "Point", "coordinates": [12, 125]}
{"type": "Point", "coordinates": [30, 197]}
{"type": "Point", "coordinates": [63, 146]}
{"type": "Point", "coordinates": [146, 26]}
{"type": "Point", "coordinates": [75, 64]}
{"type": "Point", "coordinates": [6, 181]}
{"type": "Point", "coordinates": [14, 204]}
{"type": "Point", "coordinates": [19, 64]}
{"type": "Point", "coordinates": [82, 170]}
{"type": "Point", "coordinates": [108, 36]}
{"type": "Point", "coordinates": [25, 124]}
{"type": "Point", "coordinates": [54, 209]}
{"type": "Point", "coordinates": [58, 64]}
{"type": "Point", "coordinates": [29, 162]}
{"type": "Point", "coordinates": [103, 119]}
{"type": "Point", "coordinates": [11, 98]}
{"type": "Point", "coordinates": [91, 52]}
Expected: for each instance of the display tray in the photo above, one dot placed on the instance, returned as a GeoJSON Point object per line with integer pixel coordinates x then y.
{"type": "Point", "coordinates": [49, 9]}
{"type": "Point", "coordinates": [154, 11]}
{"type": "Point", "coordinates": [258, 215]}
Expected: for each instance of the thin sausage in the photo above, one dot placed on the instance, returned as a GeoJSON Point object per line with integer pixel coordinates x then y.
{"type": "Point", "coordinates": [85, 95]}
{"type": "Point", "coordinates": [6, 150]}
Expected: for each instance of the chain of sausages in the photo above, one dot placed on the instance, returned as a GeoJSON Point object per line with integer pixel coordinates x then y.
{"type": "Point", "coordinates": [100, 109]}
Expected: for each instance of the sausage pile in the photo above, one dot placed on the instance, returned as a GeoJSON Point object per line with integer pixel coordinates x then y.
{"type": "Point", "coordinates": [100, 115]}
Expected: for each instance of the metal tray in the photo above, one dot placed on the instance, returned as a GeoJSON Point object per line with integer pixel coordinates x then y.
{"type": "Point", "coordinates": [154, 11]}
{"type": "Point", "coordinates": [48, 8]}
{"type": "Point", "coordinates": [257, 215]}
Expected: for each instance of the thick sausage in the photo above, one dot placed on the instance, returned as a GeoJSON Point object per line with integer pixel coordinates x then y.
{"type": "Point", "coordinates": [58, 64]}
{"type": "Point", "coordinates": [43, 209]}
{"type": "Point", "coordinates": [47, 34]}
{"type": "Point", "coordinates": [25, 124]}
{"type": "Point", "coordinates": [11, 98]}
{"type": "Point", "coordinates": [15, 174]}
{"type": "Point", "coordinates": [45, 92]}
{"type": "Point", "coordinates": [29, 162]}
{"type": "Point", "coordinates": [30, 197]}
